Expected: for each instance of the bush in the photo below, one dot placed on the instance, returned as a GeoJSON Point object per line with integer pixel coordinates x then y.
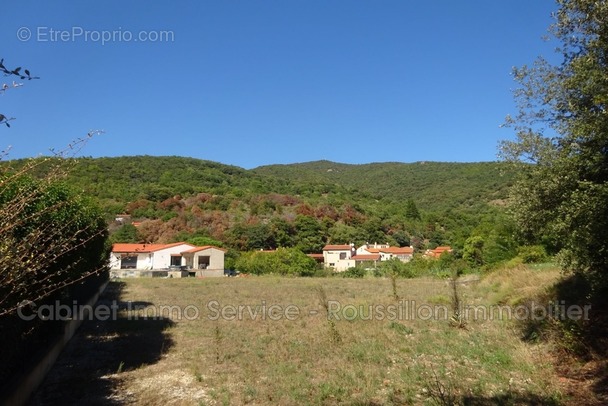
{"type": "Point", "coordinates": [50, 237]}
{"type": "Point", "coordinates": [532, 254]}
{"type": "Point", "coordinates": [355, 272]}
{"type": "Point", "coordinates": [283, 261]}
{"type": "Point", "coordinates": [395, 267]}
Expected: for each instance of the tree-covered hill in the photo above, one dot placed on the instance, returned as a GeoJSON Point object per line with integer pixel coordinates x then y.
{"type": "Point", "coordinates": [433, 185]}
{"type": "Point", "coordinates": [306, 205]}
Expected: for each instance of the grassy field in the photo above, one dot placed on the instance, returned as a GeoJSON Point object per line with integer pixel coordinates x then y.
{"type": "Point", "coordinates": [280, 346]}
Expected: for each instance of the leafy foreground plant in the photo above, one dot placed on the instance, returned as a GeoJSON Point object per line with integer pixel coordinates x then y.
{"type": "Point", "coordinates": [562, 130]}
{"type": "Point", "coordinates": [50, 237]}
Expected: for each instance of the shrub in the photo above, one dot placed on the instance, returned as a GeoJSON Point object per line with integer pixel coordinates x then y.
{"type": "Point", "coordinates": [531, 254]}
{"type": "Point", "coordinates": [283, 261]}
{"type": "Point", "coordinates": [354, 272]}
{"type": "Point", "coordinates": [50, 237]}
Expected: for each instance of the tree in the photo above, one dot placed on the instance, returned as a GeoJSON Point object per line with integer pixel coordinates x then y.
{"type": "Point", "coordinates": [50, 236]}
{"type": "Point", "coordinates": [283, 261]}
{"type": "Point", "coordinates": [562, 142]}
{"type": "Point", "coordinates": [201, 241]}
{"type": "Point", "coordinates": [308, 234]}
{"type": "Point", "coordinates": [473, 250]}
{"type": "Point", "coordinates": [411, 211]}
{"type": "Point", "coordinates": [126, 233]}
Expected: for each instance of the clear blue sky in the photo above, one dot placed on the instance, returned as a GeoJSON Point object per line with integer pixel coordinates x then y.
{"type": "Point", "coordinates": [251, 83]}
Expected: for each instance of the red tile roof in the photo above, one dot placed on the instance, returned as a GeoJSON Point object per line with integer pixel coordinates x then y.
{"type": "Point", "coordinates": [373, 250]}
{"type": "Point", "coordinates": [363, 257]}
{"type": "Point", "coordinates": [398, 250]}
{"type": "Point", "coordinates": [205, 247]}
{"type": "Point", "coordinates": [122, 247]}
{"type": "Point", "coordinates": [438, 251]}
{"type": "Point", "coordinates": [336, 247]}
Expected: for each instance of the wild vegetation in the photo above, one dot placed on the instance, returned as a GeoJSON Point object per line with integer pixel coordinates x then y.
{"type": "Point", "coordinates": [560, 198]}
{"type": "Point", "coordinates": [53, 248]}
{"type": "Point", "coordinates": [562, 128]}
{"type": "Point", "coordinates": [304, 206]}
{"type": "Point", "coordinates": [558, 171]}
{"type": "Point", "coordinates": [338, 344]}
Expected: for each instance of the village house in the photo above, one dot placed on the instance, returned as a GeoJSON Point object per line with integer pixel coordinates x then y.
{"type": "Point", "coordinates": [436, 253]}
{"type": "Point", "coordinates": [176, 260]}
{"type": "Point", "coordinates": [367, 260]}
{"type": "Point", "coordinates": [386, 252]}
{"type": "Point", "coordinates": [339, 257]}
{"type": "Point", "coordinates": [342, 257]}
{"type": "Point", "coordinates": [205, 261]}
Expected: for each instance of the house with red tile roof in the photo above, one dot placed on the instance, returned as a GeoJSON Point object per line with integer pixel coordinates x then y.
{"type": "Point", "coordinates": [317, 257]}
{"type": "Point", "coordinates": [368, 260]}
{"type": "Point", "coordinates": [342, 257]}
{"type": "Point", "coordinates": [386, 252]}
{"type": "Point", "coordinates": [436, 253]}
{"type": "Point", "coordinates": [339, 257]}
{"type": "Point", "coordinates": [205, 261]}
{"type": "Point", "coordinates": [131, 259]}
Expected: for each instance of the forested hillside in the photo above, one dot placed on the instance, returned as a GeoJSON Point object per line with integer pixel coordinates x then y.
{"type": "Point", "coordinates": [433, 185]}
{"type": "Point", "coordinates": [306, 205]}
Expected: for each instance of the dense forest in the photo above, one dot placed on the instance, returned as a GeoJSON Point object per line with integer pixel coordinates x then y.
{"type": "Point", "coordinates": [307, 205]}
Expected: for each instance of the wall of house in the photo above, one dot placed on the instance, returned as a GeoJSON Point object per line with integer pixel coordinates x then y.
{"type": "Point", "coordinates": [404, 257]}
{"type": "Point", "coordinates": [333, 257]}
{"type": "Point", "coordinates": [162, 258]}
{"type": "Point", "coordinates": [362, 250]}
{"type": "Point", "coordinates": [216, 259]}
{"type": "Point", "coordinates": [144, 260]}
{"type": "Point", "coordinates": [209, 273]}
{"type": "Point", "coordinates": [115, 260]}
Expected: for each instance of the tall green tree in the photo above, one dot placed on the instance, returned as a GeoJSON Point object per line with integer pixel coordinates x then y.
{"type": "Point", "coordinates": [126, 233]}
{"type": "Point", "coordinates": [309, 234]}
{"type": "Point", "coordinates": [411, 210]}
{"type": "Point", "coordinates": [562, 140]}
{"type": "Point", "coordinates": [473, 250]}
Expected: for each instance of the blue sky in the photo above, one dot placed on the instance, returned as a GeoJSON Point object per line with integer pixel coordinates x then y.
{"type": "Point", "coordinates": [251, 83]}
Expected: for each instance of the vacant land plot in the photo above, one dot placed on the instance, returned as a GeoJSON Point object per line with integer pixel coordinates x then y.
{"type": "Point", "coordinates": [269, 340]}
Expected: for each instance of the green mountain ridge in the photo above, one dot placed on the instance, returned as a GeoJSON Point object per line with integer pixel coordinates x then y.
{"type": "Point", "coordinates": [433, 185]}
{"type": "Point", "coordinates": [425, 182]}
{"type": "Point", "coordinates": [303, 204]}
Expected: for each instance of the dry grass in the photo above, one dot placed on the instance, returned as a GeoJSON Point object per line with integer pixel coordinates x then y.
{"type": "Point", "coordinates": [376, 361]}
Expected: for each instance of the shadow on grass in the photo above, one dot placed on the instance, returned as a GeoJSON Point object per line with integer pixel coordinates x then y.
{"type": "Point", "coordinates": [86, 372]}
{"type": "Point", "coordinates": [582, 344]}
{"type": "Point", "coordinates": [510, 399]}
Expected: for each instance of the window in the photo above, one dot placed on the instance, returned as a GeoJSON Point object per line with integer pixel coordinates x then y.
{"type": "Point", "coordinates": [128, 262]}
{"type": "Point", "coordinates": [203, 261]}
{"type": "Point", "coordinates": [343, 255]}
{"type": "Point", "coordinates": [176, 260]}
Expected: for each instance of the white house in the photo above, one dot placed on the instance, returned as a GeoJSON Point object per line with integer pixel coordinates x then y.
{"type": "Point", "coordinates": [404, 254]}
{"type": "Point", "coordinates": [339, 257]}
{"type": "Point", "coordinates": [207, 260]}
{"type": "Point", "coordinates": [147, 256]}
{"type": "Point", "coordinates": [366, 259]}
{"type": "Point", "coordinates": [342, 257]}
{"type": "Point", "coordinates": [131, 258]}
{"type": "Point", "coordinates": [367, 249]}
{"type": "Point", "coordinates": [386, 252]}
